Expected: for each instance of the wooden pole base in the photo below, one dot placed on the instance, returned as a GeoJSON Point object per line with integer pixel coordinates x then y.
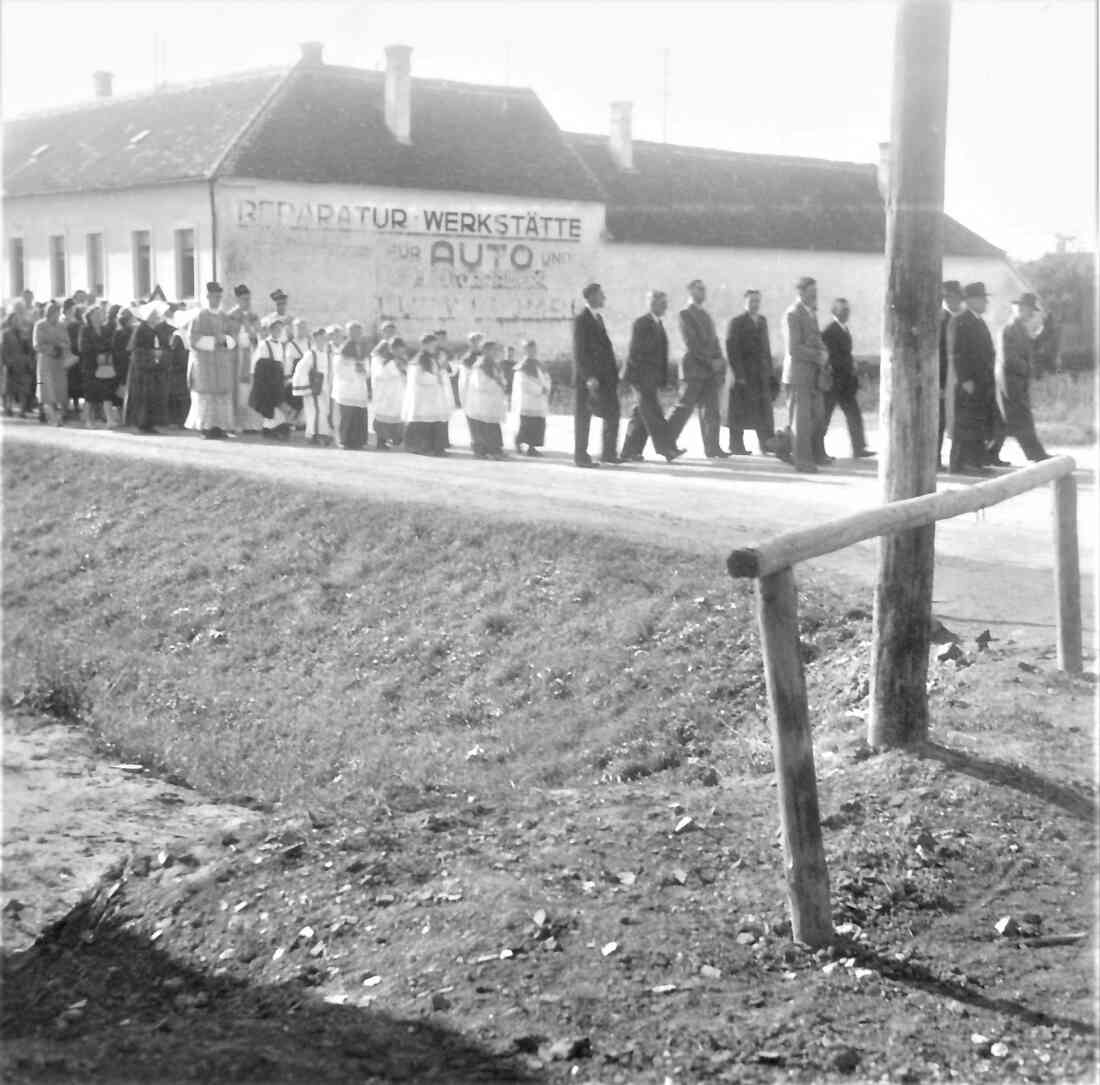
{"type": "Point", "coordinates": [1067, 575]}
{"type": "Point", "coordinates": [792, 741]}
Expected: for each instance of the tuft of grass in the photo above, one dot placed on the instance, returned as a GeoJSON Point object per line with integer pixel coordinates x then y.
{"type": "Point", "coordinates": [298, 647]}
{"type": "Point", "coordinates": [1064, 405]}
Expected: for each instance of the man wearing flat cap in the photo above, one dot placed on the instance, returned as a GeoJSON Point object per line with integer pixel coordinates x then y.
{"type": "Point", "coordinates": [952, 303]}
{"type": "Point", "coordinates": [972, 358]}
{"type": "Point", "coordinates": [1013, 371]}
{"type": "Point", "coordinates": [245, 328]}
{"type": "Point", "coordinates": [212, 368]}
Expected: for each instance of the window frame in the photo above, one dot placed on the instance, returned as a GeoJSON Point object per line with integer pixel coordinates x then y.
{"type": "Point", "coordinates": [66, 269]}
{"type": "Point", "coordinates": [17, 239]}
{"type": "Point", "coordinates": [90, 285]}
{"type": "Point", "coordinates": [140, 294]}
{"type": "Point", "coordinates": [177, 253]}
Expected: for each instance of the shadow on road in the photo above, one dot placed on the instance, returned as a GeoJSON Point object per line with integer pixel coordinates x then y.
{"type": "Point", "coordinates": [1018, 777]}
{"type": "Point", "coordinates": [99, 1002]}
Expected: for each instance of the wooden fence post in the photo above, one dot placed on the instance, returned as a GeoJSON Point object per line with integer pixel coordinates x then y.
{"type": "Point", "coordinates": [1067, 574]}
{"type": "Point", "coordinates": [792, 741]}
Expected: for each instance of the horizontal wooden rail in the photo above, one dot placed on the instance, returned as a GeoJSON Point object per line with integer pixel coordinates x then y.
{"type": "Point", "coordinates": [813, 542]}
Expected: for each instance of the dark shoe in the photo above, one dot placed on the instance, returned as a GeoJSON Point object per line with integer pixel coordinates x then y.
{"type": "Point", "coordinates": [638, 458]}
{"type": "Point", "coordinates": [534, 452]}
{"type": "Point", "coordinates": [481, 455]}
{"type": "Point", "coordinates": [151, 430]}
{"type": "Point", "coordinates": [998, 462]}
{"type": "Point", "coordinates": [611, 460]}
{"type": "Point", "coordinates": [1039, 459]}
{"type": "Point", "coordinates": [718, 454]}
{"type": "Point", "coordinates": [585, 463]}
{"type": "Point", "coordinates": [740, 452]}
{"type": "Point", "coordinates": [825, 461]}
{"type": "Point", "coordinates": [974, 472]}
{"type": "Point", "coordinates": [865, 453]}
{"type": "Point", "coordinates": [267, 434]}
{"type": "Point", "coordinates": [810, 469]}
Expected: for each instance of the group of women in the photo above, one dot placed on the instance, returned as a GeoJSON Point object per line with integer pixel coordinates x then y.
{"type": "Point", "coordinates": [128, 367]}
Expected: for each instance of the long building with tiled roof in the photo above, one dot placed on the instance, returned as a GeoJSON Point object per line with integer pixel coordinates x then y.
{"type": "Point", "coordinates": [440, 204]}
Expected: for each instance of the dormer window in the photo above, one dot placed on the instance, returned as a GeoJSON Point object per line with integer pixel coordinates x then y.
{"type": "Point", "coordinates": [136, 139]}
{"type": "Point", "coordinates": [39, 151]}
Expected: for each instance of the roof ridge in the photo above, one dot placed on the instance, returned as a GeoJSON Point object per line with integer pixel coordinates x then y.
{"type": "Point", "coordinates": [136, 95]}
{"type": "Point", "coordinates": [252, 120]}
{"type": "Point", "coordinates": [722, 152]}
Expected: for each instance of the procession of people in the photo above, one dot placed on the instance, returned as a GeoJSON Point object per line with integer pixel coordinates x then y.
{"type": "Point", "coordinates": [226, 371]}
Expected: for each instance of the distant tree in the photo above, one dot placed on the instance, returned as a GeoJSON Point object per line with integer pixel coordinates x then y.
{"type": "Point", "coordinates": [1066, 285]}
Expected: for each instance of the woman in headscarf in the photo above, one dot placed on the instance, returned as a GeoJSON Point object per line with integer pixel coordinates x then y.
{"type": "Point", "coordinates": [146, 389]}
{"type": "Point", "coordinates": [54, 356]}
{"type": "Point", "coordinates": [99, 377]}
{"type": "Point", "coordinates": [18, 358]}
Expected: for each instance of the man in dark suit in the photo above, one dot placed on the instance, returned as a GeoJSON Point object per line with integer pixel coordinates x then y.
{"type": "Point", "coordinates": [972, 359]}
{"type": "Point", "coordinates": [750, 354]}
{"type": "Point", "coordinates": [951, 292]}
{"type": "Point", "coordinates": [838, 342]}
{"type": "Point", "coordinates": [647, 371]}
{"type": "Point", "coordinates": [595, 380]}
{"type": "Point", "coordinates": [703, 372]}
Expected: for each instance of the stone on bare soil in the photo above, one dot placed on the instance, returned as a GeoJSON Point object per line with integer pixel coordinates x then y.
{"type": "Point", "coordinates": [1006, 926]}
{"type": "Point", "coordinates": [578, 1047]}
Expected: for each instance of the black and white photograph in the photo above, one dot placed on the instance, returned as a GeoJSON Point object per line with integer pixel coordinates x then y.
{"type": "Point", "coordinates": [549, 542]}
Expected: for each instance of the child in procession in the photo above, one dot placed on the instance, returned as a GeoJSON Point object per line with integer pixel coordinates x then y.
{"type": "Point", "coordinates": [531, 386]}
{"type": "Point", "coordinates": [349, 390]}
{"type": "Point", "coordinates": [387, 373]}
{"type": "Point", "coordinates": [267, 396]}
{"type": "Point", "coordinates": [427, 403]}
{"type": "Point", "coordinates": [313, 385]}
{"type": "Point", "coordinates": [487, 404]}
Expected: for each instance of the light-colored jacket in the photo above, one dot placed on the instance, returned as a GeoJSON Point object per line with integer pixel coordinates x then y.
{"type": "Point", "coordinates": [805, 355]}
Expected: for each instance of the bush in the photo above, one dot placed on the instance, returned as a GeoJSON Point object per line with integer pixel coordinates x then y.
{"type": "Point", "coordinates": [59, 688]}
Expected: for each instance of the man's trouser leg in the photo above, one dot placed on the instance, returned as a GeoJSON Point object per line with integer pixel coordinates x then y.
{"type": "Point", "coordinates": [636, 433]}
{"type": "Point", "coordinates": [691, 391]}
{"type": "Point", "coordinates": [1028, 439]}
{"type": "Point", "coordinates": [582, 421]}
{"type": "Point", "coordinates": [647, 422]}
{"type": "Point", "coordinates": [806, 416]}
{"type": "Point", "coordinates": [710, 415]}
{"type": "Point", "coordinates": [610, 399]}
{"type": "Point", "coordinates": [854, 417]}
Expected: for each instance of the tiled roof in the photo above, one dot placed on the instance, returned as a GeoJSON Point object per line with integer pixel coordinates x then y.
{"type": "Point", "coordinates": [94, 145]}
{"type": "Point", "coordinates": [694, 196]}
{"type": "Point", "coordinates": [327, 124]}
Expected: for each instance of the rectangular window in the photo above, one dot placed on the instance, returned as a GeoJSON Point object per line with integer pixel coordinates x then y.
{"type": "Point", "coordinates": [16, 273]}
{"type": "Point", "coordinates": [93, 249]}
{"type": "Point", "coordinates": [143, 264]}
{"type": "Point", "coordinates": [185, 264]}
{"type": "Point", "coordinates": [58, 272]}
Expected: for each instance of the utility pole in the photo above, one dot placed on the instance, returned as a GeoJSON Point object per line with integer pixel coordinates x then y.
{"type": "Point", "coordinates": [666, 93]}
{"type": "Point", "coordinates": [909, 403]}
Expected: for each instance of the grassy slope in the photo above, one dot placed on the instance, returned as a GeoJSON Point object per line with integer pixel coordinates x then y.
{"type": "Point", "coordinates": [293, 646]}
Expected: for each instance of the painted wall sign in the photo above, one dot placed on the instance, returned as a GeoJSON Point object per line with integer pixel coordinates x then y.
{"type": "Point", "coordinates": [307, 215]}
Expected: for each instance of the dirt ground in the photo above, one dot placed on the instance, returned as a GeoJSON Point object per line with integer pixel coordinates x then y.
{"type": "Point", "coordinates": [586, 936]}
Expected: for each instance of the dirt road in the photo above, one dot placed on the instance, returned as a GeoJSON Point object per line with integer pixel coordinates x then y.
{"type": "Point", "coordinates": [992, 568]}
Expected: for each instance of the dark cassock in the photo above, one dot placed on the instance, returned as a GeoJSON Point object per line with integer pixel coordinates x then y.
{"type": "Point", "coordinates": [972, 360]}
{"type": "Point", "coordinates": [748, 347]}
{"type": "Point", "coordinates": [147, 381]}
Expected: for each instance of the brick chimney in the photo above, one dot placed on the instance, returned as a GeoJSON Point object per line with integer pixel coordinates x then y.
{"type": "Point", "coordinates": [101, 84]}
{"type": "Point", "coordinates": [621, 139]}
{"type": "Point", "coordinates": [313, 54]}
{"type": "Point", "coordinates": [399, 92]}
{"type": "Point", "coordinates": [884, 171]}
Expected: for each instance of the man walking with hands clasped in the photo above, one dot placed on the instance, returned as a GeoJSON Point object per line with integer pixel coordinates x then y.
{"type": "Point", "coordinates": [595, 380]}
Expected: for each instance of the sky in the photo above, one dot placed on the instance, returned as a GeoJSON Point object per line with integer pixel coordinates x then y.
{"type": "Point", "coordinates": [796, 77]}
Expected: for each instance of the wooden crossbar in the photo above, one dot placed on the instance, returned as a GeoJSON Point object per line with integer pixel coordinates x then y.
{"type": "Point", "coordinates": [814, 542]}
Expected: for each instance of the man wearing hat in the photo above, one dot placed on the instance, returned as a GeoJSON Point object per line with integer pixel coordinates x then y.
{"type": "Point", "coordinates": [595, 380]}
{"type": "Point", "coordinates": [952, 298]}
{"type": "Point", "coordinates": [245, 328]}
{"type": "Point", "coordinates": [1013, 374]}
{"type": "Point", "coordinates": [804, 369]}
{"type": "Point", "coordinates": [282, 300]}
{"type": "Point", "coordinates": [972, 358]}
{"type": "Point", "coordinates": [212, 370]}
